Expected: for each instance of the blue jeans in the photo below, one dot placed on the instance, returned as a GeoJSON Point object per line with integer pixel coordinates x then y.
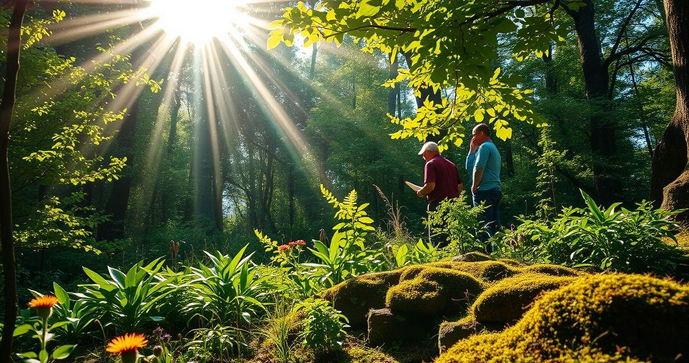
{"type": "Point", "coordinates": [490, 217]}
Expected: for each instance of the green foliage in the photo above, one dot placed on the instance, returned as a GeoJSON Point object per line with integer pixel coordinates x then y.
{"type": "Point", "coordinates": [280, 326]}
{"type": "Point", "coordinates": [217, 342]}
{"type": "Point", "coordinates": [61, 223]}
{"type": "Point", "coordinates": [323, 326]}
{"type": "Point", "coordinates": [616, 239]}
{"type": "Point", "coordinates": [458, 220]}
{"type": "Point", "coordinates": [77, 313]}
{"type": "Point", "coordinates": [41, 331]}
{"type": "Point", "coordinates": [127, 301]}
{"type": "Point", "coordinates": [447, 44]}
{"type": "Point", "coordinates": [229, 291]}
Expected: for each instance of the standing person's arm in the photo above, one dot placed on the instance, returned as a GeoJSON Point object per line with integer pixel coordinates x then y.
{"type": "Point", "coordinates": [428, 180]}
{"type": "Point", "coordinates": [482, 156]}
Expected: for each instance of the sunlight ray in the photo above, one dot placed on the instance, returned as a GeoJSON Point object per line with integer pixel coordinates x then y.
{"type": "Point", "coordinates": [90, 25]}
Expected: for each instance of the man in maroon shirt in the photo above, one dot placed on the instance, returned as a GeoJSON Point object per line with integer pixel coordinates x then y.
{"type": "Point", "coordinates": [441, 178]}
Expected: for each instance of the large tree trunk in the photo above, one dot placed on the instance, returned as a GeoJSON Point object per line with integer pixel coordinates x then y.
{"type": "Point", "coordinates": [670, 172]}
{"type": "Point", "coordinates": [14, 41]}
{"type": "Point", "coordinates": [596, 80]}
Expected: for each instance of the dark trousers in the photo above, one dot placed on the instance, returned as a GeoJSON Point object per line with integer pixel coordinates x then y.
{"type": "Point", "coordinates": [491, 216]}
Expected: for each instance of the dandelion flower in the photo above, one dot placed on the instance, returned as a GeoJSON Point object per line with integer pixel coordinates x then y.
{"type": "Point", "coordinates": [44, 305]}
{"type": "Point", "coordinates": [127, 346]}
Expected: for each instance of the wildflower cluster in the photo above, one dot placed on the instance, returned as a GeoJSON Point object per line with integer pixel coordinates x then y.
{"type": "Point", "coordinates": [291, 244]}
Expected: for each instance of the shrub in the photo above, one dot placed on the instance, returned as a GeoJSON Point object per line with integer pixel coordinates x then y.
{"type": "Point", "coordinates": [323, 326]}
{"type": "Point", "coordinates": [458, 220]}
{"type": "Point", "coordinates": [229, 291]}
{"type": "Point", "coordinates": [615, 239]}
{"type": "Point", "coordinates": [127, 301]}
{"type": "Point", "coordinates": [600, 318]}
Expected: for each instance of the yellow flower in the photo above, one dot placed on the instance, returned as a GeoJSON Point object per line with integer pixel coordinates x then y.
{"type": "Point", "coordinates": [127, 346]}
{"type": "Point", "coordinates": [47, 301]}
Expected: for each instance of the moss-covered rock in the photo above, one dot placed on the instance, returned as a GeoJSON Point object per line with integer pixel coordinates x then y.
{"type": "Point", "coordinates": [489, 271]}
{"type": "Point", "coordinates": [552, 270]}
{"type": "Point", "coordinates": [508, 300]}
{"type": "Point", "coordinates": [356, 296]}
{"type": "Point", "coordinates": [509, 262]}
{"type": "Point", "coordinates": [596, 318]}
{"type": "Point", "coordinates": [433, 291]}
{"type": "Point", "coordinates": [472, 257]}
{"type": "Point", "coordinates": [451, 332]}
{"type": "Point", "coordinates": [416, 296]}
{"type": "Point", "coordinates": [410, 272]}
{"type": "Point", "coordinates": [386, 327]}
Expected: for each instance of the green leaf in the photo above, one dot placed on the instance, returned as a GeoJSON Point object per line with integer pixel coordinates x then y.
{"type": "Point", "coordinates": [23, 329]}
{"type": "Point", "coordinates": [63, 352]}
{"type": "Point", "coordinates": [43, 356]}
{"type": "Point", "coordinates": [62, 295]}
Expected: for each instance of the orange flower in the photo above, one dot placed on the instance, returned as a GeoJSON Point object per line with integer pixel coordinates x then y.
{"type": "Point", "coordinates": [127, 344]}
{"type": "Point", "coordinates": [283, 248]}
{"type": "Point", "coordinates": [47, 301]}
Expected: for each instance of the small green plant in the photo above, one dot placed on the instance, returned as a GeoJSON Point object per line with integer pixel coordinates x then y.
{"type": "Point", "coordinates": [615, 239]}
{"type": "Point", "coordinates": [216, 344]}
{"type": "Point", "coordinates": [43, 306]}
{"type": "Point", "coordinates": [279, 330]}
{"type": "Point", "coordinates": [128, 301]}
{"type": "Point", "coordinates": [79, 315]}
{"type": "Point", "coordinates": [229, 291]}
{"type": "Point", "coordinates": [459, 221]}
{"type": "Point", "coordinates": [323, 326]}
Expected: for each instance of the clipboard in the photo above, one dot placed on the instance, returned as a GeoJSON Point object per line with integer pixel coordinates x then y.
{"type": "Point", "coordinates": [413, 186]}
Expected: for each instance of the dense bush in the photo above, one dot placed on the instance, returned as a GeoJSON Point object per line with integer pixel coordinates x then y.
{"type": "Point", "coordinates": [458, 221]}
{"type": "Point", "coordinates": [616, 239]}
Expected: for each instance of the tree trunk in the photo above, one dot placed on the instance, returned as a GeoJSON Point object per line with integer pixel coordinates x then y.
{"type": "Point", "coordinates": [14, 41]}
{"type": "Point", "coordinates": [670, 172]}
{"type": "Point", "coordinates": [394, 92]}
{"type": "Point", "coordinates": [596, 79]}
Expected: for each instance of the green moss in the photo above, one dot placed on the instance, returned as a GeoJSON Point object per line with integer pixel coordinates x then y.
{"type": "Point", "coordinates": [509, 262]}
{"type": "Point", "coordinates": [416, 296]}
{"type": "Point", "coordinates": [455, 289]}
{"type": "Point", "coordinates": [355, 297]}
{"type": "Point", "coordinates": [596, 318]}
{"type": "Point", "coordinates": [472, 257]}
{"type": "Point", "coordinates": [552, 270]}
{"type": "Point", "coordinates": [488, 271]}
{"type": "Point", "coordinates": [508, 300]}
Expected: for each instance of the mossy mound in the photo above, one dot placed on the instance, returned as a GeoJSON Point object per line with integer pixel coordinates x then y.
{"type": "Point", "coordinates": [489, 271]}
{"type": "Point", "coordinates": [508, 300]}
{"type": "Point", "coordinates": [596, 318]}
{"type": "Point", "coordinates": [455, 291]}
{"type": "Point", "coordinates": [552, 270]}
{"type": "Point", "coordinates": [416, 296]}
{"type": "Point", "coordinates": [509, 262]}
{"type": "Point", "coordinates": [472, 257]}
{"type": "Point", "coordinates": [409, 273]}
{"type": "Point", "coordinates": [355, 297]}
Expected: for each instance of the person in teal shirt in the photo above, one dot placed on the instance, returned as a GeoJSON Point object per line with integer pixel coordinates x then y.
{"type": "Point", "coordinates": [484, 163]}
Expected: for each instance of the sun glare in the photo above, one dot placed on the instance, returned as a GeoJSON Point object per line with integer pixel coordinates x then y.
{"type": "Point", "coordinates": [198, 21]}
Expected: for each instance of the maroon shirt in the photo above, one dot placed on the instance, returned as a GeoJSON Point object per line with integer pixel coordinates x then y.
{"type": "Point", "coordinates": [444, 174]}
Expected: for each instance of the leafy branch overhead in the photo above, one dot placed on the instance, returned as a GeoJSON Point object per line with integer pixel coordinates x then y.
{"type": "Point", "coordinates": [450, 44]}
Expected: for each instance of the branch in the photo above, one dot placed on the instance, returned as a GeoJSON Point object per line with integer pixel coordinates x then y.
{"type": "Point", "coordinates": [641, 46]}
{"type": "Point", "coordinates": [623, 27]}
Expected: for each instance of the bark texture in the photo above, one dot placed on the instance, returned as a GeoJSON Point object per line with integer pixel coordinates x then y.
{"type": "Point", "coordinates": [670, 171]}
{"type": "Point", "coordinates": [6, 109]}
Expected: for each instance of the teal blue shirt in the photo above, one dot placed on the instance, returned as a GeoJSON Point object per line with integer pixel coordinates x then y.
{"type": "Point", "coordinates": [488, 158]}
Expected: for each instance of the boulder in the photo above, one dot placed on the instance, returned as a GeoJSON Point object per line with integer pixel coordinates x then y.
{"type": "Point", "coordinates": [356, 296]}
{"type": "Point", "coordinates": [453, 331]}
{"type": "Point", "coordinates": [596, 318]}
{"type": "Point", "coordinates": [386, 327]}
{"type": "Point", "coordinates": [416, 296]}
{"type": "Point", "coordinates": [506, 301]}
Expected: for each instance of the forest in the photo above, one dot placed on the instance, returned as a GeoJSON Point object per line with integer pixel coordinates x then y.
{"type": "Point", "coordinates": [229, 180]}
